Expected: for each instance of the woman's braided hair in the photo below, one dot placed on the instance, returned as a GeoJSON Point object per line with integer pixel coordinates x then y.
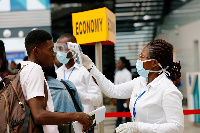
{"type": "Point", "coordinates": [162, 51]}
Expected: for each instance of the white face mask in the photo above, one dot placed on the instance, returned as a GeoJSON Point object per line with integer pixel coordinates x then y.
{"type": "Point", "coordinates": [144, 73]}
{"type": "Point", "coordinates": [62, 57]}
{"type": "Point", "coordinates": [140, 69]}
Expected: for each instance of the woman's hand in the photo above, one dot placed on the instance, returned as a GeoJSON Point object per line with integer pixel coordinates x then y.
{"type": "Point", "coordinates": [129, 127]}
{"type": "Point", "coordinates": [87, 62]}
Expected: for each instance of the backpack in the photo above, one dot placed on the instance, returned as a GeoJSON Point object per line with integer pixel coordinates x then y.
{"type": "Point", "coordinates": [12, 105]}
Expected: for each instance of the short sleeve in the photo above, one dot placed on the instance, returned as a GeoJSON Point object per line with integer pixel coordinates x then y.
{"type": "Point", "coordinates": [35, 83]}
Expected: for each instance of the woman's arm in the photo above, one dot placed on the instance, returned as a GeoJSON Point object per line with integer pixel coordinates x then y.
{"type": "Point", "coordinates": [121, 91]}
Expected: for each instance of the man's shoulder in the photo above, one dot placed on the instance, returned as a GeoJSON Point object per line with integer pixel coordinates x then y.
{"type": "Point", "coordinates": [60, 69]}
{"type": "Point", "coordinates": [126, 70]}
{"type": "Point", "coordinates": [29, 66]}
{"type": "Point", "coordinates": [82, 68]}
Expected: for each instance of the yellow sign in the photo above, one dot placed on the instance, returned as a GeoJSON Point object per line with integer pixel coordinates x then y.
{"type": "Point", "coordinates": [94, 26]}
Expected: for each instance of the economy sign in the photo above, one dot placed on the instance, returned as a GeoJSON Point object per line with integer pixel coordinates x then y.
{"type": "Point", "coordinates": [94, 26]}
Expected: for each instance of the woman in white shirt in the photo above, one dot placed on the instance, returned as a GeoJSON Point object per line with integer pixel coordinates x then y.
{"type": "Point", "coordinates": [155, 102]}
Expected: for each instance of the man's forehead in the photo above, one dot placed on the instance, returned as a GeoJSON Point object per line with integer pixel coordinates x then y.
{"type": "Point", "coordinates": [64, 40]}
{"type": "Point", "coordinates": [50, 43]}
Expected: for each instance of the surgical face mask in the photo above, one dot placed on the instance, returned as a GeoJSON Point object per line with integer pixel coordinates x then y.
{"type": "Point", "coordinates": [144, 73]}
{"type": "Point", "coordinates": [62, 57]}
{"type": "Point", "coordinates": [140, 69]}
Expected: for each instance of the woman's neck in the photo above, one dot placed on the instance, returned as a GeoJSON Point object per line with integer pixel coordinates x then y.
{"type": "Point", "coordinates": [152, 76]}
{"type": "Point", "coordinates": [121, 68]}
{"type": "Point", "coordinates": [70, 64]}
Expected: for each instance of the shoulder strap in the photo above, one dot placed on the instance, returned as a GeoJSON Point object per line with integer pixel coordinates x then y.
{"type": "Point", "coordinates": [78, 109]}
{"type": "Point", "coordinates": [46, 94]}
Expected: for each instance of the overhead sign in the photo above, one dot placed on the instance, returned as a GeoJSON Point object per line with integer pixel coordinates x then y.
{"type": "Point", "coordinates": [94, 26]}
{"type": "Point", "coordinates": [15, 55]}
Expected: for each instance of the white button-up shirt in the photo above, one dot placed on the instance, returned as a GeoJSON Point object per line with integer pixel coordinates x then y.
{"type": "Point", "coordinates": [159, 108]}
{"type": "Point", "coordinates": [88, 90]}
{"type": "Point", "coordinates": [122, 76]}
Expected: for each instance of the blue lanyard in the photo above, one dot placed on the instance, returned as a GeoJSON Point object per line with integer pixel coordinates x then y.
{"type": "Point", "coordinates": [134, 112]}
{"type": "Point", "coordinates": [69, 74]}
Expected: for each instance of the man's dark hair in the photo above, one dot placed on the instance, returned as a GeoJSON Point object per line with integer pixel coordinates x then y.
{"type": "Point", "coordinates": [25, 58]}
{"type": "Point", "coordinates": [36, 38]}
{"type": "Point", "coordinates": [2, 47]}
{"type": "Point", "coordinates": [49, 71]}
{"type": "Point", "coordinates": [13, 62]}
{"type": "Point", "coordinates": [70, 36]}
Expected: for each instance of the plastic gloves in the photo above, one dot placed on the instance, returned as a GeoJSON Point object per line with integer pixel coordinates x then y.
{"type": "Point", "coordinates": [86, 61]}
{"type": "Point", "coordinates": [129, 127]}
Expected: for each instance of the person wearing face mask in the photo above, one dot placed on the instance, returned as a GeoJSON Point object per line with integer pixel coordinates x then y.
{"type": "Point", "coordinates": [88, 90]}
{"type": "Point", "coordinates": [155, 102]}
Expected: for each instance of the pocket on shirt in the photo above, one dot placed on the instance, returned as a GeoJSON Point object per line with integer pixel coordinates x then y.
{"type": "Point", "coordinates": [155, 114]}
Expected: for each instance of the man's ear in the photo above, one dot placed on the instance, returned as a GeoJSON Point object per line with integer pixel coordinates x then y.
{"type": "Point", "coordinates": [154, 63]}
{"type": "Point", "coordinates": [35, 51]}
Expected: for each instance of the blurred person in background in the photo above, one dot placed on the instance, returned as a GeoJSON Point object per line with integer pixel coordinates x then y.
{"type": "Point", "coordinates": [3, 62]}
{"type": "Point", "coordinates": [13, 67]}
{"type": "Point", "coordinates": [155, 102]}
{"type": "Point", "coordinates": [19, 64]}
{"type": "Point", "coordinates": [2, 54]}
{"type": "Point", "coordinates": [88, 90]}
{"type": "Point", "coordinates": [122, 75]}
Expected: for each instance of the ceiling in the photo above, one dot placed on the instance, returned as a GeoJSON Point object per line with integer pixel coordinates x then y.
{"type": "Point", "coordinates": [136, 17]}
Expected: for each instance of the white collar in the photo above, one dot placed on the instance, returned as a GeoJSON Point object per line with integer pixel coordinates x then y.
{"type": "Point", "coordinates": [23, 63]}
{"type": "Point", "coordinates": [75, 65]}
{"type": "Point", "coordinates": [156, 82]}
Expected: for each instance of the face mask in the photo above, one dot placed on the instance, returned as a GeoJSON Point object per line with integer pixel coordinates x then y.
{"type": "Point", "coordinates": [144, 73]}
{"type": "Point", "coordinates": [62, 57]}
{"type": "Point", "coordinates": [140, 69]}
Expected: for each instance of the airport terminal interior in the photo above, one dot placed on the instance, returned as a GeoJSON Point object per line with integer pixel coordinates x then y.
{"type": "Point", "coordinates": [138, 22]}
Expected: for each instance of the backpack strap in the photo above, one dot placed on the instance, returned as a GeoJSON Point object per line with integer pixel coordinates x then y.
{"type": "Point", "coordinates": [46, 94]}
{"type": "Point", "coordinates": [78, 109]}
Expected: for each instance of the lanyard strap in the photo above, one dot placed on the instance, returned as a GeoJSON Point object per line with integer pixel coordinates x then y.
{"type": "Point", "coordinates": [69, 74]}
{"type": "Point", "coordinates": [134, 112]}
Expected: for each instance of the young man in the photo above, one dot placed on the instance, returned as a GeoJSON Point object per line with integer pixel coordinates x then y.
{"type": "Point", "coordinates": [39, 47]}
{"type": "Point", "coordinates": [88, 90]}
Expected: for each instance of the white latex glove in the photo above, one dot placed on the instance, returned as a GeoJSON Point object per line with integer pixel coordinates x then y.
{"type": "Point", "coordinates": [87, 62]}
{"type": "Point", "coordinates": [129, 127]}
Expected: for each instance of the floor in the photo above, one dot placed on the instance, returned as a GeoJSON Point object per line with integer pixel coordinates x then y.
{"type": "Point", "coordinates": [109, 123]}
